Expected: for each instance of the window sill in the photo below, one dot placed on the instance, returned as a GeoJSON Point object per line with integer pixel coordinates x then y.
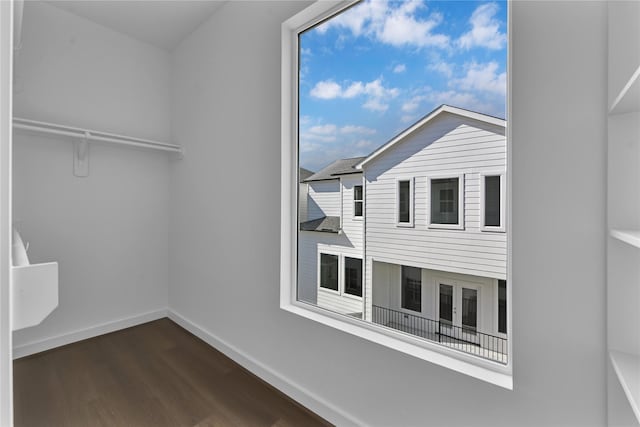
{"type": "Point", "coordinates": [404, 225]}
{"type": "Point", "coordinates": [493, 229]}
{"type": "Point", "coordinates": [446, 226]}
{"type": "Point", "coordinates": [491, 372]}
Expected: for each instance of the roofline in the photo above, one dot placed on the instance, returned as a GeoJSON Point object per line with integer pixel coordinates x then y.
{"type": "Point", "coordinates": [441, 109]}
{"type": "Point", "coordinates": [333, 176]}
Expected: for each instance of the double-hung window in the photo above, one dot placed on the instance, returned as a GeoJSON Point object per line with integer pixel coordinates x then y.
{"type": "Point", "coordinates": [404, 202]}
{"type": "Point", "coordinates": [353, 276]}
{"type": "Point", "coordinates": [329, 271]}
{"type": "Point", "coordinates": [492, 201]}
{"type": "Point", "coordinates": [358, 201]}
{"type": "Point", "coordinates": [446, 202]}
{"type": "Point", "coordinates": [330, 278]}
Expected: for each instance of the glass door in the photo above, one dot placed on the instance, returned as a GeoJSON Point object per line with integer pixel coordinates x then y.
{"type": "Point", "coordinates": [458, 312]}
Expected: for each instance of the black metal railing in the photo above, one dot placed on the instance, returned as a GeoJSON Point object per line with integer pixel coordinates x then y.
{"type": "Point", "coordinates": [465, 339]}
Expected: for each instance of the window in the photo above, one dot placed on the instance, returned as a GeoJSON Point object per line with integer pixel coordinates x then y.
{"type": "Point", "coordinates": [353, 276]}
{"type": "Point", "coordinates": [502, 306]}
{"type": "Point", "coordinates": [411, 288]}
{"type": "Point", "coordinates": [338, 112]}
{"type": "Point", "coordinates": [329, 271]}
{"type": "Point", "coordinates": [446, 202]}
{"type": "Point", "coordinates": [491, 193]}
{"type": "Point", "coordinates": [404, 202]}
{"type": "Point", "coordinates": [358, 201]}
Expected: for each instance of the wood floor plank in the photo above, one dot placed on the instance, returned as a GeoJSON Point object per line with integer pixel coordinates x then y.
{"type": "Point", "coordinates": [156, 374]}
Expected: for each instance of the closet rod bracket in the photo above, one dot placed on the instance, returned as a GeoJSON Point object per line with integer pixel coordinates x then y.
{"type": "Point", "coordinates": [81, 156]}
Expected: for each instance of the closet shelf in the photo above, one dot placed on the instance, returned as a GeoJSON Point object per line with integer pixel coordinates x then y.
{"type": "Point", "coordinates": [92, 135]}
{"type": "Point", "coordinates": [628, 100]}
{"type": "Point", "coordinates": [631, 237]}
{"type": "Point", "coordinates": [627, 368]}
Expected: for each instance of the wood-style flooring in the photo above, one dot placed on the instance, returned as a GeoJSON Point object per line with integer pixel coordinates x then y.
{"type": "Point", "coordinates": [156, 374]}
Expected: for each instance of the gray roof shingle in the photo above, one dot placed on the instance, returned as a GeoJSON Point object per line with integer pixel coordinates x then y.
{"type": "Point", "coordinates": [337, 168]}
{"type": "Point", "coordinates": [327, 224]}
{"type": "Point", "coordinates": [304, 174]}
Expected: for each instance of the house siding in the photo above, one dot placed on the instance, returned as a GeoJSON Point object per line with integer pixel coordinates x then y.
{"type": "Point", "coordinates": [449, 145]}
{"type": "Point", "coordinates": [330, 198]}
{"type": "Point", "coordinates": [324, 199]}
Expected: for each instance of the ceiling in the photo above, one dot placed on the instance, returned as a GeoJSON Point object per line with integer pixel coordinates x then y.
{"type": "Point", "coordinates": [161, 23]}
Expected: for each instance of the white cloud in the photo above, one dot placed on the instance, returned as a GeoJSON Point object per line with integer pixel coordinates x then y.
{"type": "Point", "coordinates": [353, 129]}
{"type": "Point", "coordinates": [326, 90]}
{"type": "Point", "coordinates": [375, 104]}
{"type": "Point", "coordinates": [390, 22]}
{"type": "Point", "coordinates": [412, 104]}
{"type": "Point", "coordinates": [485, 29]}
{"type": "Point", "coordinates": [442, 67]}
{"type": "Point", "coordinates": [377, 94]}
{"type": "Point", "coordinates": [483, 77]}
{"type": "Point", "coordinates": [328, 129]}
{"type": "Point", "coordinates": [400, 68]}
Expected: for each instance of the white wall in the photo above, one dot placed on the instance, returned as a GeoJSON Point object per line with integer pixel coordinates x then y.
{"type": "Point", "coordinates": [6, 66]}
{"type": "Point", "coordinates": [225, 263]}
{"type": "Point", "coordinates": [324, 199]}
{"type": "Point", "coordinates": [109, 231]}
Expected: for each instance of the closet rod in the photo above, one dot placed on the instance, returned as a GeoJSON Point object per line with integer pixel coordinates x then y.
{"type": "Point", "coordinates": [51, 128]}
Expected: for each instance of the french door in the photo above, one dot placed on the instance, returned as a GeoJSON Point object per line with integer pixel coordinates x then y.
{"type": "Point", "coordinates": [458, 308]}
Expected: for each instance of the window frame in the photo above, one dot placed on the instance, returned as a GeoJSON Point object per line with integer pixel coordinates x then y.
{"type": "Point", "coordinates": [461, 212]}
{"type": "Point", "coordinates": [491, 372]}
{"type": "Point", "coordinates": [411, 181]}
{"type": "Point", "coordinates": [319, 272]}
{"type": "Point", "coordinates": [400, 299]}
{"type": "Point", "coordinates": [492, 228]}
{"type": "Point", "coordinates": [344, 277]}
{"type": "Point", "coordinates": [355, 201]}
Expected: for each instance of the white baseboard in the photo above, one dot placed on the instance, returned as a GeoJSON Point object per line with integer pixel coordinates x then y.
{"type": "Point", "coordinates": [82, 334]}
{"type": "Point", "coordinates": [295, 391]}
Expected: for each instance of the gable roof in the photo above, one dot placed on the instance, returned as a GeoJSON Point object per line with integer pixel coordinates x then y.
{"type": "Point", "coordinates": [304, 174]}
{"type": "Point", "coordinates": [337, 168]}
{"type": "Point", "coordinates": [426, 119]}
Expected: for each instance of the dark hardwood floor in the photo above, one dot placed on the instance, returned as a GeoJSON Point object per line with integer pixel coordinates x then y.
{"type": "Point", "coordinates": [156, 374]}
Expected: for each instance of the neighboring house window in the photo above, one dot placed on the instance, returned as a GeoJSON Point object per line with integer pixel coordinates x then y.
{"type": "Point", "coordinates": [329, 271]}
{"type": "Point", "coordinates": [502, 306]}
{"type": "Point", "coordinates": [353, 276]}
{"type": "Point", "coordinates": [405, 202]}
{"type": "Point", "coordinates": [446, 202]}
{"type": "Point", "coordinates": [411, 288]}
{"type": "Point", "coordinates": [492, 214]}
{"type": "Point", "coordinates": [358, 201]}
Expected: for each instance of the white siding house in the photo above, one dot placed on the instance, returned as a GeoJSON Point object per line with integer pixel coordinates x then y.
{"type": "Point", "coordinates": [429, 225]}
{"type": "Point", "coordinates": [435, 258]}
{"type": "Point", "coordinates": [330, 243]}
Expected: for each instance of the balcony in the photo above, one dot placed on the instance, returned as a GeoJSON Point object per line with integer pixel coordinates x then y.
{"type": "Point", "coordinates": [463, 339]}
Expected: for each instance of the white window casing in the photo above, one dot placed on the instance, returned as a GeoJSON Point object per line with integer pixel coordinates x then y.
{"type": "Point", "coordinates": [460, 224]}
{"type": "Point", "coordinates": [483, 227]}
{"type": "Point", "coordinates": [467, 364]}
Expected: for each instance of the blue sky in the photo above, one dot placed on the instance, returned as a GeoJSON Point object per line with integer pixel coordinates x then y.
{"type": "Point", "coordinates": [375, 69]}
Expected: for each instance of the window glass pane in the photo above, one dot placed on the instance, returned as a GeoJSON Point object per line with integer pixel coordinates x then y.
{"type": "Point", "coordinates": [357, 192]}
{"type": "Point", "coordinates": [358, 209]}
{"type": "Point", "coordinates": [492, 201]}
{"type": "Point", "coordinates": [502, 306]}
{"type": "Point", "coordinates": [353, 276]}
{"type": "Point", "coordinates": [469, 308]}
{"type": "Point", "coordinates": [446, 303]}
{"type": "Point", "coordinates": [329, 271]}
{"type": "Point", "coordinates": [411, 288]}
{"type": "Point", "coordinates": [404, 200]}
{"type": "Point", "coordinates": [444, 201]}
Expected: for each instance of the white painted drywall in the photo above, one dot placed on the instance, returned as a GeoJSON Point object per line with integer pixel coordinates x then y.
{"type": "Point", "coordinates": [109, 231]}
{"type": "Point", "coordinates": [6, 67]}
{"type": "Point", "coordinates": [224, 270]}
